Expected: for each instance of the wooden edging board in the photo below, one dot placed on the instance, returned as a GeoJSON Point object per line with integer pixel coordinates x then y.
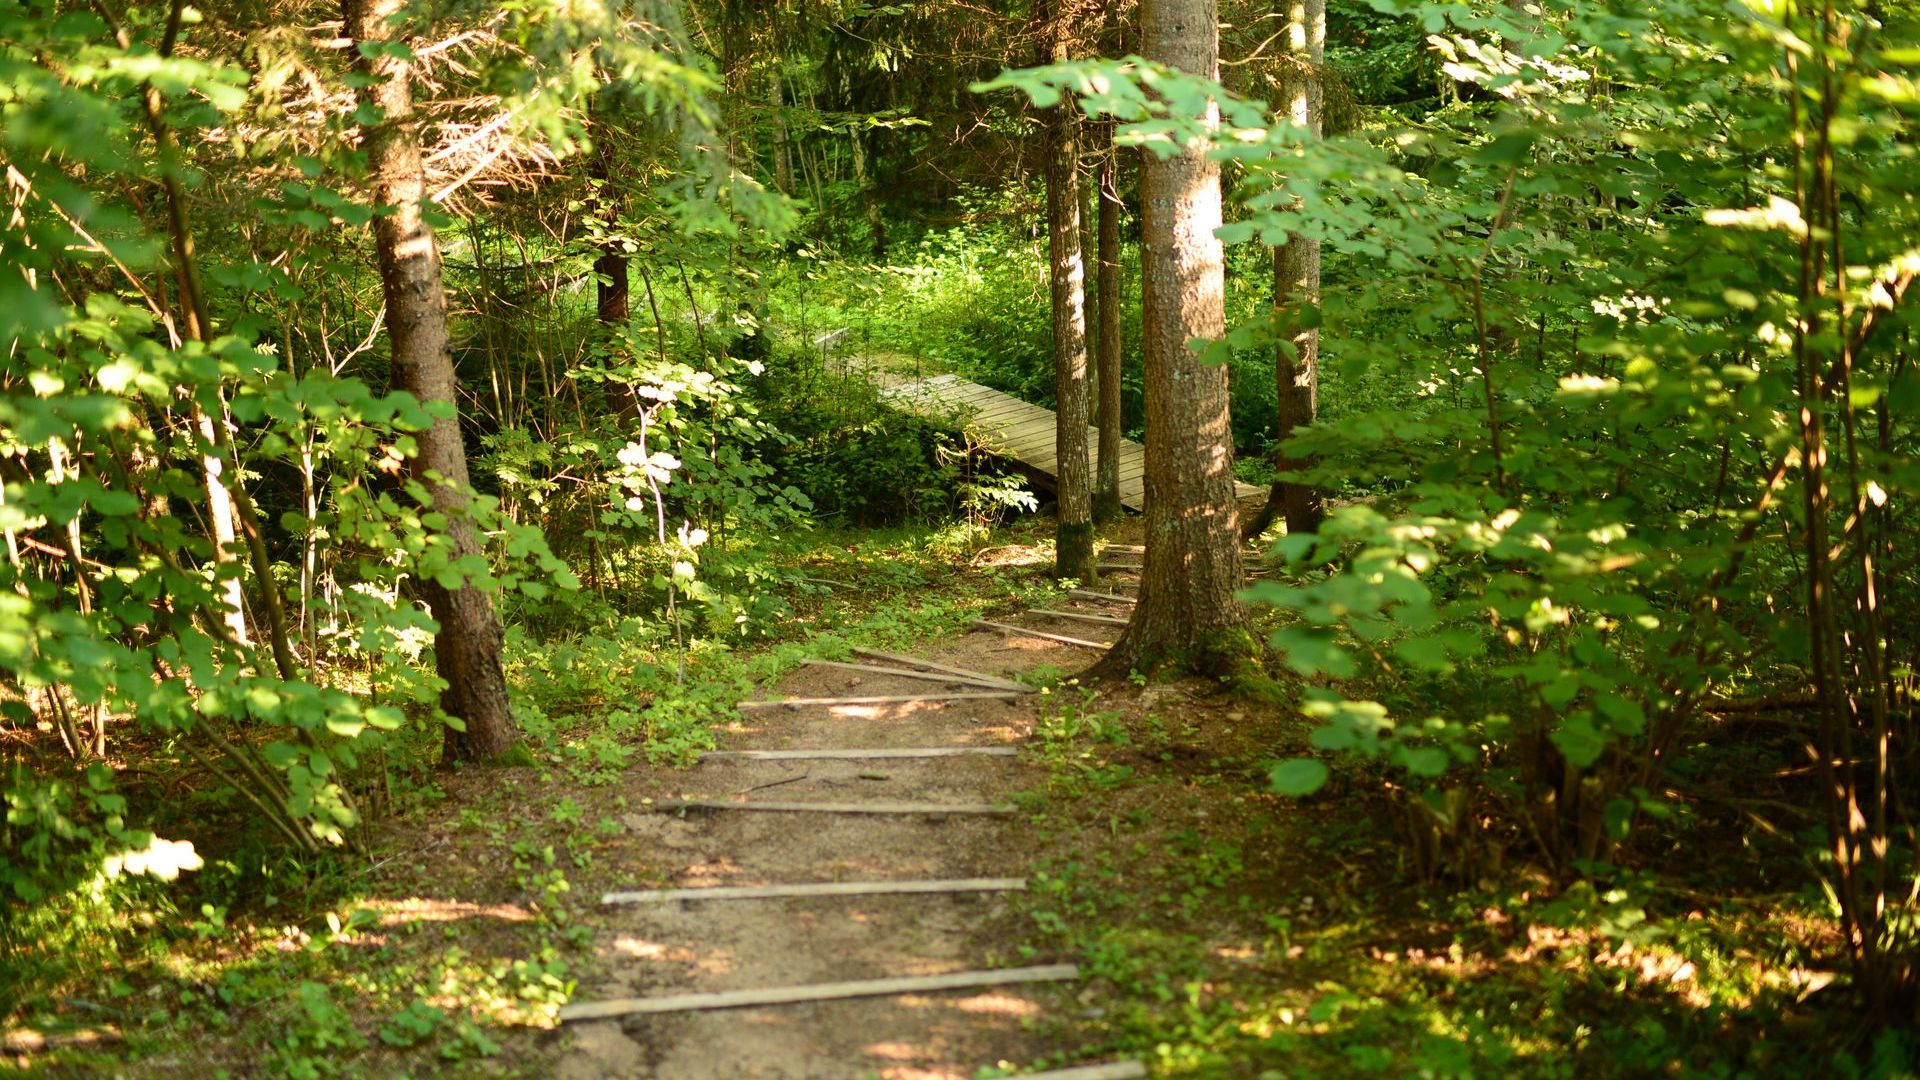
{"type": "Point", "coordinates": [878, 807]}
{"type": "Point", "coordinates": [916, 662]}
{"type": "Point", "coordinates": [821, 888]}
{"type": "Point", "coordinates": [789, 995]}
{"type": "Point", "coordinates": [1116, 1070]}
{"type": "Point", "coordinates": [860, 755]}
{"type": "Point", "coordinates": [1111, 598]}
{"type": "Point", "coordinates": [881, 699]}
{"type": "Point", "coordinates": [904, 673]}
{"type": "Point", "coordinates": [1079, 616]}
{"type": "Point", "coordinates": [1023, 631]}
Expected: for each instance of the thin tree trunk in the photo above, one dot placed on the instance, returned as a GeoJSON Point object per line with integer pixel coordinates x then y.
{"type": "Point", "coordinates": [468, 644]}
{"type": "Point", "coordinates": [1106, 485]}
{"type": "Point", "coordinates": [613, 284]}
{"type": "Point", "coordinates": [1187, 613]}
{"type": "Point", "coordinates": [220, 518]}
{"type": "Point", "coordinates": [185, 261]}
{"type": "Point", "coordinates": [1296, 281]}
{"type": "Point", "coordinates": [1073, 539]}
{"type": "Point", "coordinates": [876, 224]}
{"type": "Point", "coordinates": [782, 142]}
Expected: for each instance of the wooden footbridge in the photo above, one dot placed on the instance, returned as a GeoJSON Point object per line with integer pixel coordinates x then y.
{"type": "Point", "coordinates": [1012, 428]}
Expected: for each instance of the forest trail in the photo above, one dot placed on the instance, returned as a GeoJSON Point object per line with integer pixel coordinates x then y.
{"type": "Point", "coordinates": [1007, 426]}
{"type": "Point", "coordinates": [651, 950]}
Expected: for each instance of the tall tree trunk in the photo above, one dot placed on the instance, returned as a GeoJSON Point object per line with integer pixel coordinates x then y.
{"type": "Point", "coordinates": [782, 141]}
{"type": "Point", "coordinates": [467, 647]}
{"type": "Point", "coordinates": [613, 283]}
{"type": "Point", "coordinates": [876, 222]}
{"type": "Point", "coordinates": [1187, 613]}
{"type": "Point", "coordinates": [1106, 484]}
{"type": "Point", "coordinates": [1296, 281]}
{"type": "Point", "coordinates": [1073, 539]}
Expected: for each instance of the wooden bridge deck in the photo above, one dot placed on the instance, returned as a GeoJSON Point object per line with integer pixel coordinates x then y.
{"type": "Point", "coordinates": [1012, 428]}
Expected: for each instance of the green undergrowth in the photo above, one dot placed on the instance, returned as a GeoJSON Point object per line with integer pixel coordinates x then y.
{"type": "Point", "coordinates": [1230, 933]}
{"type": "Point", "coordinates": [445, 945]}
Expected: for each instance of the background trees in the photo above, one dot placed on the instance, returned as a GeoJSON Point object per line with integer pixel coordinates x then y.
{"type": "Point", "coordinates": [1612, 328]}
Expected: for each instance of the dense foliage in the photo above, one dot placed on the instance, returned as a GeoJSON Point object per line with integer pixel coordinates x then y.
{"type": "Point", "coordinates": [1618, 428]}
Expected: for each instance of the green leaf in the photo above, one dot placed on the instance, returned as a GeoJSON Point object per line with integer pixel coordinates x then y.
{"type": "Point", "coordinates": [1297, 777]}
{"type": "Point", "coordinates": [1579, 741]}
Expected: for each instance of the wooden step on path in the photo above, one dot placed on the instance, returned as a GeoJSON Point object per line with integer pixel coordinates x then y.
{"type": "Point", "coordinates": [881, 699]}
{"type": "Point", "coordinates": [1079, 616]}
{"type": "Point", "coordinates": [907, 673]}
{"type": "Point", "coordinates": [917, 664]}
{"type": "Point", "coordinates": [882, 807]}
{"type": "Point", "coordinates": [1117, 1070]}
{"type": "Point", "coordinates": [791, 995]}
{"type": "Point", "coordinates": [1110, 598]}
{"type": "Point", "coordinates": [823, 888]}
{"type": "Point", "coordinates": [978, 686]}
{"type": "Point", "coordinates": [1021, 631]}
{"type": "Point", "coordinates": [873, 754]}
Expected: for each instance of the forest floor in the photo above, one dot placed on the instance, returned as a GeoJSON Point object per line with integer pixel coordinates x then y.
{"type": "Point", "coordinates": [1220, 930]}
{"type": "Point", "coordinates": [729, 945]}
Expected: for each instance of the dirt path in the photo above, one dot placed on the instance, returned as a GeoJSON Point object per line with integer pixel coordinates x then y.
{"type": "Point", "coordinates": [727, 945]}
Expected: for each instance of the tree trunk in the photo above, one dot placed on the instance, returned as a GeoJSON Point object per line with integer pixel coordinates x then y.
{"type": "Point", "coordinates": [1106, 486]}
{"type": "Point", "coordinates": [876, 223]}
{"type": "Point", "coordinates": [1187, 613]}
{"type": "Point", "coordinates": [467, 646]}
{"type": "Point", "coordinates": [613, 283]}
{"type": "Point", "coordinates": [1296, 281]}
{"type": "Point", "coordinates": [1073, 537]}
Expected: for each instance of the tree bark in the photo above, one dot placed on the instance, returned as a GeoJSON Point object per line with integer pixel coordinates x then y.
{"type": "Point", "coordinates": [1106, 485]}
{"type": "Point", "coordinates": [468, 645]}
{"type": "Point", "coordinates": [1296, 281]}
{"type": "Point", "coordinates": [613, 282]}
{"type": "Point", "coordinates": [1187, 613]}
{"type": "Point", "coordinates": [1073, 536]}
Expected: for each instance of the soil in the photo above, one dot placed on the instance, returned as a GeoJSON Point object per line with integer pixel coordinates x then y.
{"type": "Point", "coordinates": [723, 945]}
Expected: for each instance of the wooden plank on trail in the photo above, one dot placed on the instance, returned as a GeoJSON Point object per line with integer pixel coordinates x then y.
{"type": "Point", "coordinates": [1023, 631]}
{"type": "Point", "coordinates": [1009, 426]}
{"type": "Point", "coordinates": [1105, 620]}
{"type": "Point", "coordinates": [790, 995]}
{"type": "Point", "coordinates": [770, 806]}
{"type": "Point", "coordinates": [822, 888]}
{"type": "Point", "coordinates": [926, 676]}
{"type": "Point", "coordinates": [882, 699]}
{"type": "Point", "coordinates": [914, 661]}
{"type": "Point", "coordinates": [1118, 566]}
{"type": "Point", "coordinates": [1117, 1070]}
{"type": "Point", "coordinates": [1111, 598]}
{"type": "Point", "coordinates": [859, 755]}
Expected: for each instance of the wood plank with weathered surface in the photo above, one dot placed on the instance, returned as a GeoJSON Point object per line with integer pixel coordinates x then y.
{"type": "Point", "coordinates": [905, 673]}
{"type": "Point", "coordinates": [880, 699]}
{"type": "Point", "coordinates": [1012, 427]}
{"type": "Point", "coordinates": [916, 662]}
{"type": "Point", "coordinates": [773, 807]}
{"type": "Point", "coordinates": [1022, 631]}
{"type": "Point", "coordinates": [875, 754]}
{"type": "Point", "coordinates": [1118, 1070]}
{"type": "Point", "coordinates": [790, 995]}
{"type": "Point", "coordinates": [820, 888]}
